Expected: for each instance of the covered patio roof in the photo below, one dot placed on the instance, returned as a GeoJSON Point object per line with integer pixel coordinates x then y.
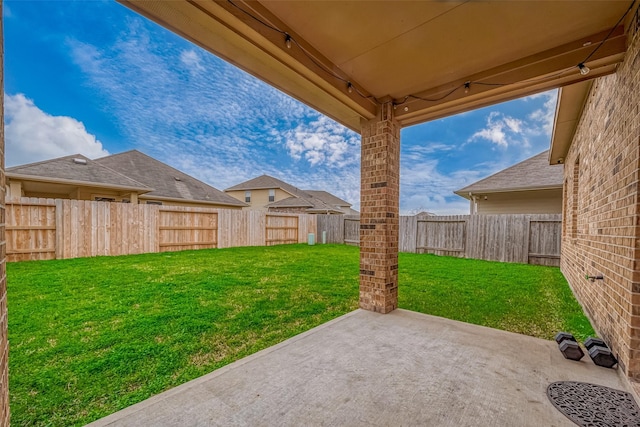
{"type": "Point", "coordinates": [431, 58]}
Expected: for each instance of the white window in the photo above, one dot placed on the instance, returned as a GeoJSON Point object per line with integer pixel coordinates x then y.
{"type": "Point", "coordinates": [247, 196]}
{"type": "Point", "coordinates": [272, 195]}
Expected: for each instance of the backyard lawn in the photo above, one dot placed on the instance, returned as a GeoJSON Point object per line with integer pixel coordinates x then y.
{"type": "Point", "coordinates": [94, 335]}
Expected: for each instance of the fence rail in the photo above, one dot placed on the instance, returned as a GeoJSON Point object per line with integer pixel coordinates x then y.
{"type": "Point", "coordinates": [40, 229]}
{"type": "Point", "coordinates": [532, 239]}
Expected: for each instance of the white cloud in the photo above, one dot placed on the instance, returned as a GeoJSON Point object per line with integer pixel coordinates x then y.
{"type": "Point", "coordinates": [514, 125]}
{"type": "Point", "coordinates": [425, 188]}
{"type": "Point", "coordinates": [32, 135]}
{"type": "Point", "coordinates": [542, 118]}
{"type": "Point", "coordinates": [499, 127]}
{"type": "Point", "coordinates": [323, 142]}
{"type": "Point", "coordinates": [191, 60]}
{"type": "Point", "coordinates": [417, 152]}
{"type": "Point", "coordinates": [506, 131]}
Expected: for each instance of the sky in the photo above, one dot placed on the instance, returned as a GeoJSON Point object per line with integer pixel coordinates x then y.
{"type": "Point", "coordinates": [95, 78]}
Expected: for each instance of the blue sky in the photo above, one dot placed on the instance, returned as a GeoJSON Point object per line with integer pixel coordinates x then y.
{"type": "Point", "coordinates": [95, 78]}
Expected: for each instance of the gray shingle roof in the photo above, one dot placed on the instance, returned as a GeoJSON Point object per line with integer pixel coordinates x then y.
{"type": "Point", "coordinates": [79, 169]}
{"type": "Point", "coordinates": [166, 181]}
{"type": "Point", "coordinates": [328, 198]}
{"type": "Point", "coordinates": [291, 202]}
{"type": "Point", "coordinates": [534, 173]}
{"type": "Point", "coordinates": [311, 199]}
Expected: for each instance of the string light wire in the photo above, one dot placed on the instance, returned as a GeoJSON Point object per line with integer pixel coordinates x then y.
{"type": "Point", "coordinates": [610, 32]}
{"type": "Point", "coordinates": [290, 39]}
{"type": "Point", "coordinates": [580, 65]}
{"type": "Point", "coordinates": [466, 85]}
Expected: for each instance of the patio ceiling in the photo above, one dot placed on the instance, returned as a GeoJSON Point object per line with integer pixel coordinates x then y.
{"type": "Point", "coordinates": [418, 54]}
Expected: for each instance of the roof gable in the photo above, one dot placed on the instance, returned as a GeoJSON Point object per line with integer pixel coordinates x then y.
{"type": "Point", "coordinates": [167, 181]}
{"type": "Point", "coordinates": [534, 173]}
{"type": "Point", "coordinates": [263, 182]}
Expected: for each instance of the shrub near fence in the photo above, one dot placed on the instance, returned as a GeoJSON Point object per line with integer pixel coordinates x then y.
{"type": "Point", "coordinates": [532, 239]}
{"type": "Point", "coordinates": [38, 229]}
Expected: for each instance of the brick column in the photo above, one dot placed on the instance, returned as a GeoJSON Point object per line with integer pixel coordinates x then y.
{"type": "Point", "coordinates": [4, 344]}
{"type": "Point", "coordinates": [379, 200]}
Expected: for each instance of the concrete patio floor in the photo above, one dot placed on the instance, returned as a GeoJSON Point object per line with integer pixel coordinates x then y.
{"type": "Point", "coordinates": [400, 369]}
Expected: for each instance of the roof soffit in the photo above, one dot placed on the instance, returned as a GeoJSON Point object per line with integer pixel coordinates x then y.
{"type": "Point", "coordinates": [571, 101]}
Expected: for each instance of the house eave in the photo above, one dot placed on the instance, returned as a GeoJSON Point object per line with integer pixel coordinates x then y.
{"type": "Point", "coordinates": [316, 211]}
{"type": "Point", "coordinates": [35, 178]}
{"type": "Point", "coordinates": [467, 194]}
{"type": "Point", "coordinates": [258, 188]}
{"type": "Point", "coordinates": [571, 102]}
{"type": "Point", "coordinates": [179, 200]}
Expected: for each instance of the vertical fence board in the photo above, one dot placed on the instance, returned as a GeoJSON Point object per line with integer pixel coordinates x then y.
{"type": "Point", "coordinates": [308, 224]}
{"type": "Point", "coordinates": [352, 229]}
{"type": "Point", "coordinates": [181, 228]}
{"type": "Point", "coordinates": [333, 225]}
{"type": "Point", "coordinates": [60, 231]}
{"type": "Point", "coordinates": [256, 226]}
{"type": "Point", "coordinates": [545, 235]}
{"type": "Point", "coordinates": [281, 229]}
{"type": "Point", "coordinates": [407, 238]}
{"type": "Point", "coordinates": [30, 230]}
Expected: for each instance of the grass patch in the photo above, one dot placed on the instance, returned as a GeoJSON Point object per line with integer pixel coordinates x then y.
{"type": "Point", "coordinates": [91, 336]}
{"type": "Point", "coordinates": [527, 299]}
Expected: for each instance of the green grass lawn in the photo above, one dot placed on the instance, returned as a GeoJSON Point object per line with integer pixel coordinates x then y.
{"type": "Point", "coordinates": [94, 335]}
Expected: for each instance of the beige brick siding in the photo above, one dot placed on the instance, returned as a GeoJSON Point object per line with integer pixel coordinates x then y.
{"type": "Point", "coordinates": [601, 212]}
{"type": "Point", "coordinates": [379, 204]}
{"type": "Point", "coordinates": [4, 344]}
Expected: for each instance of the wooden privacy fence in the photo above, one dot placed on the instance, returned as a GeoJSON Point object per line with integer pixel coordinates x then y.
{"type": "Point", "coordinates": [532, 239]}
{"type": "Point", "coordinates": [39, 229]}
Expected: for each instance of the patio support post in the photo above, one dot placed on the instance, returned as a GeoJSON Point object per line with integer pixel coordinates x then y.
{"type": "Point", "coordinates": [379, 203]}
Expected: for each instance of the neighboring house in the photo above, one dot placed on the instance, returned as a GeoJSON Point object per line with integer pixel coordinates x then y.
{"type": "Point", "coordinates": [268, 193]}
{"type": "Point", "coordinates": [130, 177]}
{"type": "Point", "coordinates": [529, 187]}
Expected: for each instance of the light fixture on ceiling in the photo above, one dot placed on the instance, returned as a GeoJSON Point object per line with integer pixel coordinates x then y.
{"type": "Point", "coordinates": [287, 41]}
{"type": "Point", "coordinates": [467, 86]}
{"type": "Point", "coordinates": [584, 70]}
{"type": "Point", "coordinates": [349, 87]}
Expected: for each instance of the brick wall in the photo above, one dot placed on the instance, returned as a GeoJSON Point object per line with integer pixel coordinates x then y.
{"type": "Point", "coordinates": [379, 204]}
{"type": "Point", "coordinates": [601, 208]}
{"type": "Point", "coordinates": [4, 344]}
